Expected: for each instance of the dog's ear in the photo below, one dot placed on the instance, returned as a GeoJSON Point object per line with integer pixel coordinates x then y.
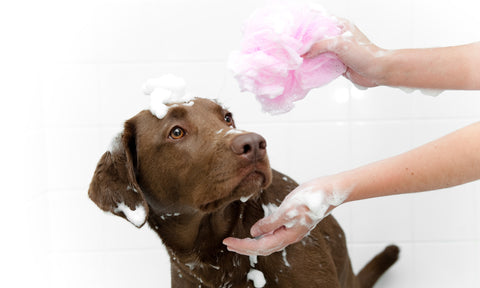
{"type": "Point", "coordinates": [114, 187]}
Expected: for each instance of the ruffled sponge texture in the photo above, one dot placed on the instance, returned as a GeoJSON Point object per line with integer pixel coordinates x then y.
{"type": "Point", "coordinates": [270, 64]}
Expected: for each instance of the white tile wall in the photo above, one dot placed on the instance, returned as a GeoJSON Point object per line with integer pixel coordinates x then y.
{"type": "Point", "coordinates": [71, 74]}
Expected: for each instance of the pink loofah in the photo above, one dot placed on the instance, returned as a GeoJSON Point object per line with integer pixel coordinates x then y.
{"type": "Point", "coordinates": [269, 63]}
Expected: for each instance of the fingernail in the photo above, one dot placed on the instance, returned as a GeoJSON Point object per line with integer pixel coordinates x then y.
{"type": "Point", "coordinates": [255, 232]}
{"type": "Point", "coordinates": [308, 55]}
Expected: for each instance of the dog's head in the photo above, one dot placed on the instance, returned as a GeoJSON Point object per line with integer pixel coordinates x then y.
{"type": "Point", "coordinates": [193, 159]}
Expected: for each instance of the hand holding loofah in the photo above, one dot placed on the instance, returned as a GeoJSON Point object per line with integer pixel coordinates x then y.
{"type": "Point", "coordinates": [270, 64]}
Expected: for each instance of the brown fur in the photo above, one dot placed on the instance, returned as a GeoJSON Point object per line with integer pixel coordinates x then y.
{"type": "Point", "coordinates": [191, 188]}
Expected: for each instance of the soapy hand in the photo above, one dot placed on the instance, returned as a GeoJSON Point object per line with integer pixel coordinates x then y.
{"type": "Point", "coordinates": [298, 214]}
{"type": "Point", "coordinates": [356, 51]}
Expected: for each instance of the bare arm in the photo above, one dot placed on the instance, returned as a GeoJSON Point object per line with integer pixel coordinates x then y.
{"type": "Point", "coordinates": [449, 161]}
{"type": "Point", "coordinates": [435, 68]}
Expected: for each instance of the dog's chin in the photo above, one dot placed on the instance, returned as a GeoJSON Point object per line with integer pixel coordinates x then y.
{"type": "Point", "coordinates": [248, 187]}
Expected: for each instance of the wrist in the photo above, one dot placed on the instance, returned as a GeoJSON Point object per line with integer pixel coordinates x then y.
{"type": "Point", "coordinates": [386, 67]}
{"type": "Point", "coordinates": [339, 188]}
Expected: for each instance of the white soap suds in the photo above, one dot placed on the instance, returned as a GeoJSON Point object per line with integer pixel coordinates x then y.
{"type": "Point", "coordinates": [245, 198]}
{"type": "Point", "coordinates": [165, 90]}
{"type": "Point", "coordinates": [317, 202]}
{"type": "Point", "coordinates": [428, 92]}
{"type": "Point", "coordinates": [347, 34]}
{"type": "Point", "coordinates": [360, 87]}
{"type": "Point", "coordinates": [253, 260]}
{"type": "Point", "coordinates": [269, 209]}
{"type": "Point", "coordinates": [257, 277]}
{"type": "Point", "coordinates": [116, 144]}
{"type": "Point", "coordinates": [284, 255]}
{"type": "Point", "coordinates": [234, 131]}
{"type": "Point", "coordinates": [137, 217]}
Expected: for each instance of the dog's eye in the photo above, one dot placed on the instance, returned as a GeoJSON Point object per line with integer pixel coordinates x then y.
{"type": "Point", "coordinates": [177, 133]}
{"type": "Point", "coordinates": [229, 119]}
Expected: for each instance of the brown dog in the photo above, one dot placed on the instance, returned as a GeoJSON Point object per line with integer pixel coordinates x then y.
{"type": "Point", "coordinates": [196, 179]}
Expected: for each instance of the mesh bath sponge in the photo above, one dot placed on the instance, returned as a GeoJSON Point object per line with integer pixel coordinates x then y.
{"type": "Point", "coordinates": [269, 62]}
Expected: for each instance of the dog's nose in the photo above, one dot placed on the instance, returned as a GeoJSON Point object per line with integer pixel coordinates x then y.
{"type": "Point", "coordinates": [251, 146]}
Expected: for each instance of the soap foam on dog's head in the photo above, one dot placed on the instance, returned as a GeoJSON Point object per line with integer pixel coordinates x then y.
{"type": "Point", "coordinates": [164, 91]}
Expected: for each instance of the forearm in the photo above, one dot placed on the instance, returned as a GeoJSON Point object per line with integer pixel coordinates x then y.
{"type": "Point", "coordinates": [448, 161]}
{"type": "Point", "coordinates": [435, 68]}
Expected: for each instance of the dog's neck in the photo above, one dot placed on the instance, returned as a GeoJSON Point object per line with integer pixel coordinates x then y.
{"type": "Point", "coordinates": [201, 233]}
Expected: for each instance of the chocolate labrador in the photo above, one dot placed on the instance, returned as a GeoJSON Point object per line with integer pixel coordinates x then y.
{"type": "Point", "coordinates": [196, 179]}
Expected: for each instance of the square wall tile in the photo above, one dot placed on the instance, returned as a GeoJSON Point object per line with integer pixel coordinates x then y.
{"type": "Point", "coordinates": [380, 103]}
{"type": "Point", "coordinates": [329, 102]}
{"type": "Point", "coordinates": [376, 140]}
{"type": "Point", "coordinates": [317, 149]}
{"type": "Point", "coordinates": [445, 215]}
{"type": "Point", "coordinates": [425, 131]}
{"type": "Point", "coordinates": [445, 265]}
{"type": "Point", "coordinates": [449, 104]}
{"type": "Point", "coordinates": [399, 275]}
{"type": "Point", "coordinates": [387, 219]}
{"type": "Point", "coordinates": [439, 23]}
{"type": "Point", "coordinates": [391, 27]}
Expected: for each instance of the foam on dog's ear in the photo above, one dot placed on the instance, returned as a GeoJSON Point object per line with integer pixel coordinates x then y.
{"type": "Point", "coordinates": [114, 187]}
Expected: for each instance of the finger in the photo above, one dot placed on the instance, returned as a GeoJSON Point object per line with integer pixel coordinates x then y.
{"type": "Point", "coordinates": [266, 245]}
{"type": "Point", "coordinates": [287, 216]}
{"type": "Point", "coordinates": [249, 246]}
{"type": "Point", "coordinates": [322, 46]}
{"type": "Point", "coordinates": [358, 79]}
{"type": "Point", "coordinates": [270, 223]}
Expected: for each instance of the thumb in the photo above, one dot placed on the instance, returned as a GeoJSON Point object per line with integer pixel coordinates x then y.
{"type": "Point", "coordinates": [322, 46]}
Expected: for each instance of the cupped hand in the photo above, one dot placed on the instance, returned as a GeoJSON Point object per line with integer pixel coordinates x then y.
{"type": "Point", "coordinates": [298, 214]}
{"type": "Point", "coordinates": [274, 233]}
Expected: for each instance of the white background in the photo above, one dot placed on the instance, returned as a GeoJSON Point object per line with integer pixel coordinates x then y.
{"type": "Point", "coordinates": [71, 73]}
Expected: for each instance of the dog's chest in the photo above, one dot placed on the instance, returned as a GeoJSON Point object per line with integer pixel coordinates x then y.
{"type": "Point", "coordinates": [234, 270]}
{"type": "Point", "coordinates": [229, 269]}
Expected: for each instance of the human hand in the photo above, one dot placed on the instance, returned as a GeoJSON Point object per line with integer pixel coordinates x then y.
{"type": "Point", "coordinates": [298, 214]}
{"type": "Point", "coordinates": [362, 58]}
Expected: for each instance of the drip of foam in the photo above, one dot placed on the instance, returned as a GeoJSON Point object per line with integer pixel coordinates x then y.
{"type": "Point", "coordinates": [256, 275]}
{"type": "Point", "coordinates": [428, 92]}
{"type": "Point", "coordinates": [137, 217]}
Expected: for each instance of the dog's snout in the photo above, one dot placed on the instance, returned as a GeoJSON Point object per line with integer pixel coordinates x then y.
{"type": "Point", "coordinates": [251, 146]}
